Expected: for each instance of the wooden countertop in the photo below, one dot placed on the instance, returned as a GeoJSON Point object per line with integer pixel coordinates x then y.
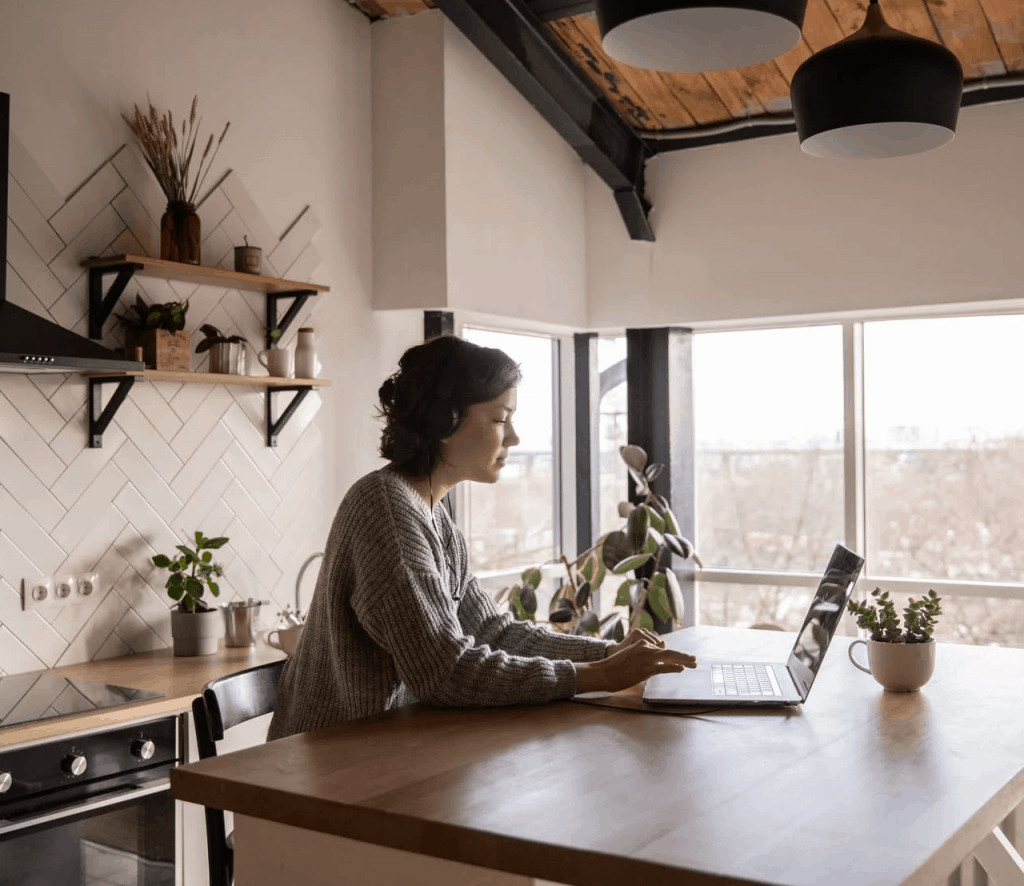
{"type": "Point", "coordinates": [179, 678]}
{"type": "Point", "coordinates": [857, 786]}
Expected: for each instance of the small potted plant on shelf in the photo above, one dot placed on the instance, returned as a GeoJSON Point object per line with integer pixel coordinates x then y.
{"type": "Point", "coordinates": [159, 329]}
{"type": "Point", "coordinates": [640, 553]}
{"type": "Point", "coordinates": [195, 626]}
{"type": "Point", "coordinates": [900, 659]}
{"type": "Point", "coordinates": [227, 352]}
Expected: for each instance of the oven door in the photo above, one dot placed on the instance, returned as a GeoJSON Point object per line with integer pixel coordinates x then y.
{"type": "Point", "coordinates": [123, 838]}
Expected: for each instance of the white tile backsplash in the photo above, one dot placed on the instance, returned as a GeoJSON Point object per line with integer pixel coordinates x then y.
{"type": "Point", "coordinates": [176, 458]}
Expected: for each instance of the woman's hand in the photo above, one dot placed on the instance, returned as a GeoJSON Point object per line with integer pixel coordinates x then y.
{"type": "Point", "coordinates": [630, 665]}
{"type": "Point", "coordinates": [635, 636]}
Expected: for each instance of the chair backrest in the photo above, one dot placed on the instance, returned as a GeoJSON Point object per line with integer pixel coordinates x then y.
{"type": "Point", "coordinates": [226, 702]}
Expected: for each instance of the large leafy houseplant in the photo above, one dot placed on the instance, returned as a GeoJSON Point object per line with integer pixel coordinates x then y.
{"type": "Point", "coordinates": [639, 554]}
{"type": "Point", "coordinates": [192, 573]}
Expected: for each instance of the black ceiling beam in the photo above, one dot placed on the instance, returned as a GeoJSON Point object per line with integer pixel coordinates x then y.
{"type": "Point", "coordinates": [512, 38]}
{"type": "Point", "coordinates": [551, 10]}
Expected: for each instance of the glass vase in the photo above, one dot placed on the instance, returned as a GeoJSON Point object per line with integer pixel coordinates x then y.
{"type": "Point", "coordinates": [180, 233]}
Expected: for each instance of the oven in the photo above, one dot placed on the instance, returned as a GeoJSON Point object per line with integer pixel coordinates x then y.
{"type": "Point", "coordinates": [91, 808]}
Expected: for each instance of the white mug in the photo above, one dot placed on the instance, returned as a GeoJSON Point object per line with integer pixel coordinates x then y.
{"type": "Point", "coordinates": [898, 667]}
{"type": "Point", "coordinates": [287, 638]}
{"type": "Point", "coordinates": [277, 361]}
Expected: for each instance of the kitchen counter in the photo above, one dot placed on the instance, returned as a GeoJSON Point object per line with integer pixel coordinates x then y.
{"type": "Point", "coordinates": [584, 795]}
{"type": "Point", "coordinates": [179, 678]}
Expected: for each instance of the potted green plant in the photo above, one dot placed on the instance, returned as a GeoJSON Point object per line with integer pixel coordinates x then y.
{"type": "Point", "coordinates": [227, 352]}
{"type": "Point", "coordinates": [640, 554]}
{"type": "Point", "coordinates": [195, 625]}
{"type": "Point", "coordinates": [159, 329]}
{"type": "Point", "coordinates": [901, 659]}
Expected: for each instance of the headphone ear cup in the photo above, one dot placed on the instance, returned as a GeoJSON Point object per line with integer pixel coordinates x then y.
{"type": "Point", "coordinates": [443, 419]}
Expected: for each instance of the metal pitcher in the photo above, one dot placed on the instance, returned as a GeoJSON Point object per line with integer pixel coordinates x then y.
{"type": "Point", "coordinates": [241, 621]}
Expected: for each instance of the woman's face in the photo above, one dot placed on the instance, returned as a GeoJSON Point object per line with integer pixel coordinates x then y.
{"type": "Point", "coordinates": [478, 448]}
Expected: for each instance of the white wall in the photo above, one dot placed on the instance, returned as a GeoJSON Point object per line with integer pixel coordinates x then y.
{"type": "Point", "coordinates": [507, 235]}
{"type": "Point", "coordinates": [758, 229]}
{"type": "Point", "coordinates": [294, 81]}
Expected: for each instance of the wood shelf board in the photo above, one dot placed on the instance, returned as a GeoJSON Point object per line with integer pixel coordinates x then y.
{"type": "Point", "coordinates": [214, 378]}
{"type": "Point", "coordinates": [170, 270]}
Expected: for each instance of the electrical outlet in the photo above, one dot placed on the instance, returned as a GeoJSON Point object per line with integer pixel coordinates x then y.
{"type": "Point", "coordinates": [37, 593]}
{"type": "Point", "coordinates": [87, 586]}
{"type": "Point", "coordinates": [64, 588]}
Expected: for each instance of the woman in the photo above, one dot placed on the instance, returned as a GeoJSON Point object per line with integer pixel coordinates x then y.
{"type": "Point", "coordinates": [396, 615]}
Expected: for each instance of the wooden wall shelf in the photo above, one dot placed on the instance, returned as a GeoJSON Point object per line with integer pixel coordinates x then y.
{"type": "Point", "coordinates": [102, 303]}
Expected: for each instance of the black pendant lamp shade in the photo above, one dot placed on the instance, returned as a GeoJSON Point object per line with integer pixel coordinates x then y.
{"type": "Point", "coordinates": [877, 93]}
{"type": "Point", "coordinates": [698, 35]}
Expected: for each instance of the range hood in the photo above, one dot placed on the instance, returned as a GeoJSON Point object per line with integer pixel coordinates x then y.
{"type": "Point", "coordinates": [28, 342]}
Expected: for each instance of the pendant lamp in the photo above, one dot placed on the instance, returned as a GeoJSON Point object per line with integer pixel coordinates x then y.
{"type": "Point", "coordinates": [877, 93]}
{"type": "Point", "coordinates": [698, 35]}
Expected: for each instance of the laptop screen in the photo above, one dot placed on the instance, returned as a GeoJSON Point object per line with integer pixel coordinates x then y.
{"type": "Point", "coordinates": [823, 617]}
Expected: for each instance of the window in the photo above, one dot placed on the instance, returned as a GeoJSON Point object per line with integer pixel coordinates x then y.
{"type": "Point", "coordinates": [768, 419]}
{"type": "Point", "coordinates": [940, 461]}
{"type": "Point", "coordinates": [513, 524]}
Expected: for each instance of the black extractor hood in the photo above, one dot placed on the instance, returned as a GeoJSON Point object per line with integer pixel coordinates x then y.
{"type": "Point", "coordinates": [28, 342]}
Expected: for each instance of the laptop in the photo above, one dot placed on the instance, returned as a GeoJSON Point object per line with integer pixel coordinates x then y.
{"type": "Point", "coordinates": [769, 683]}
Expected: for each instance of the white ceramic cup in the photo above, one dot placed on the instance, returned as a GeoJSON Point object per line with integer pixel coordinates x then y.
{"type": "Point", "coordinates": [287, 638]}
{"type": "Point", "coordinates": [277, 361]}
{"type": "Point", "coordinates": [899, 667]}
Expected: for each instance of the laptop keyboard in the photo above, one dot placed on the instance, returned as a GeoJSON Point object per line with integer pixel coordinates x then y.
{"type": "Point", "coordinates": [744, 679]}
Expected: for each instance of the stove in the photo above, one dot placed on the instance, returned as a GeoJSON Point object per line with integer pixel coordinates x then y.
{"type": "Point", "coordinates": [40, 695]}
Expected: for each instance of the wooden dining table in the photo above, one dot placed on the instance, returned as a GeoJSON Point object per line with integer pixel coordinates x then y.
{"type": "Point", "coordinates": [856, 786]}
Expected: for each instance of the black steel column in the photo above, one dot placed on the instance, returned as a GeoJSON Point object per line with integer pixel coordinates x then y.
{"type": "Point", "coordinates": [588, 448]}
{"type": "Point", "coordinates": [438, 323]}
{"type": "Point", "coordinates": [659, 385]}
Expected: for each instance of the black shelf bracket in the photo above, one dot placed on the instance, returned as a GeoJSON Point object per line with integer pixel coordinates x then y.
{"type": "Point", "coordinates": [300, 296]}
{"type": "Point", "coordinates": [99, 418]}
{"type": "Point", "coordinates": [102, 304]}
{"type": "Point", "coordinates": [275, 427]}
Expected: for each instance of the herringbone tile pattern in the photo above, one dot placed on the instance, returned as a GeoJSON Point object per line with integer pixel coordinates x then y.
{"type": "Point", "coordinates": [176, 457]}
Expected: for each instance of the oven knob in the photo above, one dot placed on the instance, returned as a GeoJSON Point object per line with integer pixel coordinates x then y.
{"type": "Point", "coordinates": [143, 748]}
{"type": "Point", "coordinates": [74, 764]}
{"type": "Point", "coordinates": [5, 782]}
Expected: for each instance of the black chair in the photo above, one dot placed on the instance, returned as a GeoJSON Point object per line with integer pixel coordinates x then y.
{"type": "Point", "coordinates": [226, 702]}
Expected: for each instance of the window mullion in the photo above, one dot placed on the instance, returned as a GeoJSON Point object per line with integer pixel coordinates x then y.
{"type": "Point", "coordinates": [853, 436]}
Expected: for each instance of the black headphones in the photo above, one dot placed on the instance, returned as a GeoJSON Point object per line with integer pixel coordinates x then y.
{"type": "Point", "coordinates": [442, 415]}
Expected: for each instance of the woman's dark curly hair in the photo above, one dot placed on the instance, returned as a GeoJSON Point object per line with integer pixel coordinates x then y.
{"type": "Point", "coordinates": [425, 401]}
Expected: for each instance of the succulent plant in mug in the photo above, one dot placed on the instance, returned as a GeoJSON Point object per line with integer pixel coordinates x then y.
{"type": "Point", "coordinates": [880, 617]}
{"type": "Point", "coordinates": [192, 572]}
{"type": "Point", "coordinates": [640, 553]}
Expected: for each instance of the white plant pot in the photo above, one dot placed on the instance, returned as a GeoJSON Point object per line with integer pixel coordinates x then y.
{"type": "Point", "coordinates": [196, 633]}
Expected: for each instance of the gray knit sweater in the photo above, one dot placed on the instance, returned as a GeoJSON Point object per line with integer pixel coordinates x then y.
{"type": "Point", "coordinates": [383, 629]}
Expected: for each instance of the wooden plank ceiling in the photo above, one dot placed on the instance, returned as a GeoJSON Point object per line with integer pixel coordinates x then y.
{"type": "Point", "coordinates": [986, 35]}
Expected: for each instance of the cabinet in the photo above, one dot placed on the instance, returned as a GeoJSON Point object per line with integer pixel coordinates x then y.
{"type": "Point", "coordinates": [108, 277]}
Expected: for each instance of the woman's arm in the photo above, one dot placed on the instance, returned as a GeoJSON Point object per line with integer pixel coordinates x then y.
{"type": "Point", "coordinates": [480, 619]}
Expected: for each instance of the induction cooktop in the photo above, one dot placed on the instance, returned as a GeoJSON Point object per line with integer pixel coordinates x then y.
{"type": "Point", "coordinates": [40, 695]}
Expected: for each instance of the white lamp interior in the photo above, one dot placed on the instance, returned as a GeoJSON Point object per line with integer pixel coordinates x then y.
{"type": "Point", "coordinates": [870, 141]}
{"type": "Point", "coordinates": [701, 39]}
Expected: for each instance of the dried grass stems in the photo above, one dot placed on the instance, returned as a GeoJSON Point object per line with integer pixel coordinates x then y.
{"type": "Point", "coordinates": [171, 158]}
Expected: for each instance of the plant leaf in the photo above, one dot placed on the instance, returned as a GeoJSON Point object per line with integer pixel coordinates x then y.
{"type": "Point", "coordinates": [622, 596]}
{"type": "Point", "coordinates": [589, 568]}
{"type": "Point", "coordinates": [656, 520]}
{"type": "Point", "coordinates": [636, 528]}
{"type": "Point", "coordinates": [626, 508]}
{"type": "Point", "coordinates": [588, 623]}
{"type": "Point", "coordinates": [671, 523]}
{"type": "Point", "coordinates": [653, 471]}
{"type": "Point", "coordinates": [532, 577]}
{"type": "Point", "coordinates": [646, 622]}
{"type": "Point", "coordinates": [528, 599]}
{"type": "Point", "coordinates": [213, 543]}
{"type": "Point", "coordinates": [634, 562]}
{"type": "Point", "coordinates": [162, 560]}
{"type": "Point", "coordinates": [583, 594]}
{"type": "Point", "coordinates": [657, 596]}
{"type": "Point", "coordinates": [615, 549]}
{"type": "Point", "coordinates": [561, 616]}
{"type": "Point", "coordinates": [207, 556]}
{"type": "Point", "coordinates": [214, 588]}
{"type": "Point", "coordinates": [634, 456]}
{"type": "Point", "coordinates": [675, 595]}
